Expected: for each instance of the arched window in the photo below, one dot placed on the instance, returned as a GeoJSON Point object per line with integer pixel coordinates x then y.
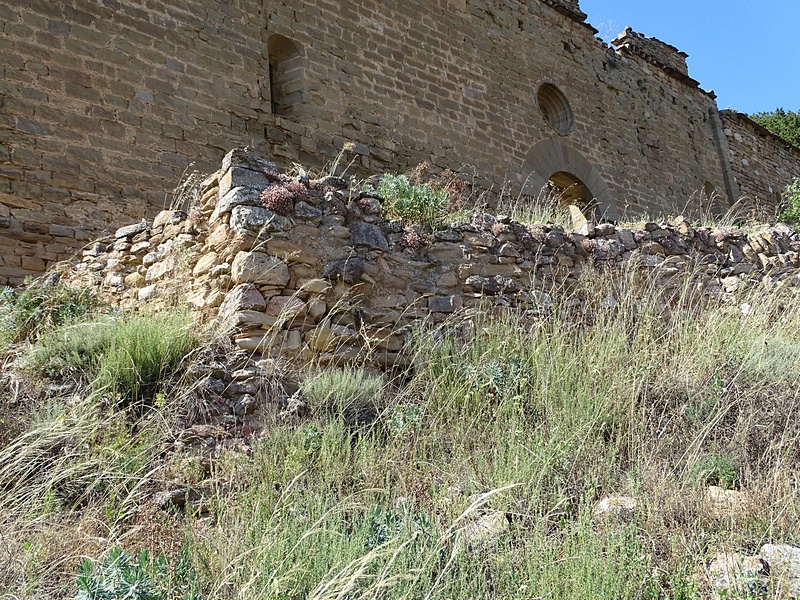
{"type": "Point", "coordinates": [286, 77]}
{"type": "Point", "coordinates": [555, 108]}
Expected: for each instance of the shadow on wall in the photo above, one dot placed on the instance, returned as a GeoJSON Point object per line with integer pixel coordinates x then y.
{"type": "Point", "coordinates": [553, 165]}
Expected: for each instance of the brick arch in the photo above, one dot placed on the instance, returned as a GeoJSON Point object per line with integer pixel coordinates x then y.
{"type": "Point", "coordinates": [554, 156]}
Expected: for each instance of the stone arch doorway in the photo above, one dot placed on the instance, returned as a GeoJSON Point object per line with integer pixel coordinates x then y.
{"type": "Point", "coordinates": [554, 164]}
{"type": "Point", "coordinates": [569, 189]}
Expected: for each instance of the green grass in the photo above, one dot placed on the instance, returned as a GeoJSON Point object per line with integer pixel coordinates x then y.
{"type": "Point", "coordinates": [143, 351]}
{"type": "Point", "coordinates": [125, 358]}
{"type": "Point", "coordinates": [375, 493]}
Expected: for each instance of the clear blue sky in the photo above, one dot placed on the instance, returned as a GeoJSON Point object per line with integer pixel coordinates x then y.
{"type": "Point", "coordinates": [747, 52]}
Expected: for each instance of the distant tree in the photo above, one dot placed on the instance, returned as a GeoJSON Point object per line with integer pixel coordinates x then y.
{"type": "Point", "coordinates": [783, 123]}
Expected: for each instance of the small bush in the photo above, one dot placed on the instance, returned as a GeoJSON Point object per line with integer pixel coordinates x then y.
{"type": "Point", "coordinates": [716, 470]}
{"type": "Point", "coordinates": [72, 351]}
{"type": "Point", "coordinates": [41, 306]}
{"type": "Point", "coordinates": [126, 358]}
{"type": "Point", "coordinates": [791, 210]}
{"type": "Point", "coordinates": [413, 203]}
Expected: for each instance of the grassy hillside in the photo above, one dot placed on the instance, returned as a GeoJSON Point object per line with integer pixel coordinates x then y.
{"type": "Point", "coordinates": [473, 474]}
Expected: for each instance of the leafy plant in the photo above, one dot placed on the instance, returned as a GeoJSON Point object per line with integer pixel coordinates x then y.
{"type": "Point", "coordinates": [791, 211]}
{"type": "Point", "coordinates": [383, 525]}
{"type": "Point", "coordinates": [413, 203]}
{"type": "Point", "coordinates": [716, 470]}
{"type": "Point", "coordinates": [404, 419]}
{"type": "Point", "coordinates": [121, 576]}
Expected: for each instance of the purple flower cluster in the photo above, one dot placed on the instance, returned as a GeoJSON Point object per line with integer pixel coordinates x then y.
{"type": "Point", "coordinates": [278, 199]}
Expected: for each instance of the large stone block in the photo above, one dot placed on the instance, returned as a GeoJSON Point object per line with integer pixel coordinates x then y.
{"type": "Point", "coordinates": [259, 268]}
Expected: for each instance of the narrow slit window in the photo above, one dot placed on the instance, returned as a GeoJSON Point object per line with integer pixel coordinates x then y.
{"type": "Point", "coordinates": [286, 76]}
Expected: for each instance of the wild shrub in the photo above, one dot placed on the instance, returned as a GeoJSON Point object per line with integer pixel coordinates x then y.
{"type": "Point", "coordinates": [791, 207]}
{"type": "Point", "coordinates": [126, 358]}
{"type": "Point", "coordinates": [413, 203]}
{"type": "Point", "coordinates": [143, 351]}
{"type": "Point", "coordinates": [39, 307]}
{"type": "Point", "coordinates": [351, 393]}
{"type": "Point", "coordinates": [72, 351]}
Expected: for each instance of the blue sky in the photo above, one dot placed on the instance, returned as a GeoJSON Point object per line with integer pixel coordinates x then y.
{"type": "Point", "coordinates": [747, 52]}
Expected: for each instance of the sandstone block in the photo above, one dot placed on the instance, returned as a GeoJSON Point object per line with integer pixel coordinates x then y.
{"type": "Point", "coordinates": [444, 304]}
{"type": "Point", "coordinates": [327, 337]}
{"type": "Point", "coordinates": [236, 177]}
{"type": "Point", "coordinates": [131, 230]}
{"type": "Point", "coordinates": [446, 252]}
{"type": "Point", "coordinates": [243, 297]}
{"type": "Point", "coordinates": [205, 264]}
{"type": "Point", "coordinates": [160, 269]}
{"type": "Point", "coordinates": [784, 565]}
{"type": "Point", "coordinates": [241, 196]}
{"type": "Point", "coordinates": [259, 268]}
{"type": "Point", "coordinates": [315, 286]}
{"type": "Point", "coordinates": [169, 217]}
{"type": "Point", "coordinates": [257, 221]}
{"type": "Point", "coordinates": [348, 270]}
{"type": "Point", "coordinates": [286, 307]}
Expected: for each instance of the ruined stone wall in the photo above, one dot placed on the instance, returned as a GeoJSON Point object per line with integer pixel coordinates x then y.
{"type": "Point", "coordinates": [104, 103]}
{"type": "Point", "coordinates": [330, 281]}
{"type": "Point", "coordinates": [762, 163]}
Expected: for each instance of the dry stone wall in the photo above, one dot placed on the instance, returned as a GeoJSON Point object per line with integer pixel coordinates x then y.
{"type": "Point", "coordinates": [103, 104]}
{"type": "Point", "coordinates": [329, 280]}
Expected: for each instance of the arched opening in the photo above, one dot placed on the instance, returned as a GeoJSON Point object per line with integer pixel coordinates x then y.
{"type": "Point", "coordinates": [286, 78]}
{"type": "Point", "coordinates": [556, 165]}
{"type": "Point", "coordinates": [567, 189]}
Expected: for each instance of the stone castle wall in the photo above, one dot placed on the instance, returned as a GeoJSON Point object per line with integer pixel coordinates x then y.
{"type": "Point", "coordinates": [762, 163]}
{"type": "Point", "coordinates": [103, 105]}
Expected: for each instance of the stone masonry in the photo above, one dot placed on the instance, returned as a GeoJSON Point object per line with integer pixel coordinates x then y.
{"type": "Point", "coordinates": [328, 280]}
{"type": "Point", "coordinates": [104, 104]}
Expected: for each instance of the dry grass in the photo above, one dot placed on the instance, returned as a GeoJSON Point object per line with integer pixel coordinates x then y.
{"type": "Point", "coordinates": [537, 416]}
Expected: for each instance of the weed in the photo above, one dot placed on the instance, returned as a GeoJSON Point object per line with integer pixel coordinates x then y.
{"type": "Point", "coordinates": [349, 393]}
{"type": "Point", "coordinates": [42, 305]}
{"type": "Point", "coordinates": [142, 352]}
{"type": "Point", "coordinates": [717, 470]}
{"type": "Point", "coordinates": [413, 203]}
{"type": "Point", "coordinates": [121, 576]}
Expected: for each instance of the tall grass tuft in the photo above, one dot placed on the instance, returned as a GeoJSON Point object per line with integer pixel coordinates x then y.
{"type": "Point", "coordinates": [143, 351]}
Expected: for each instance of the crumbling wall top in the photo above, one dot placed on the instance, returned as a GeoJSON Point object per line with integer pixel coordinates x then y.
{"type": "Point", "coordinates": [570, 8]}
{"type": "Point", "coordinates": [660, 53]}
